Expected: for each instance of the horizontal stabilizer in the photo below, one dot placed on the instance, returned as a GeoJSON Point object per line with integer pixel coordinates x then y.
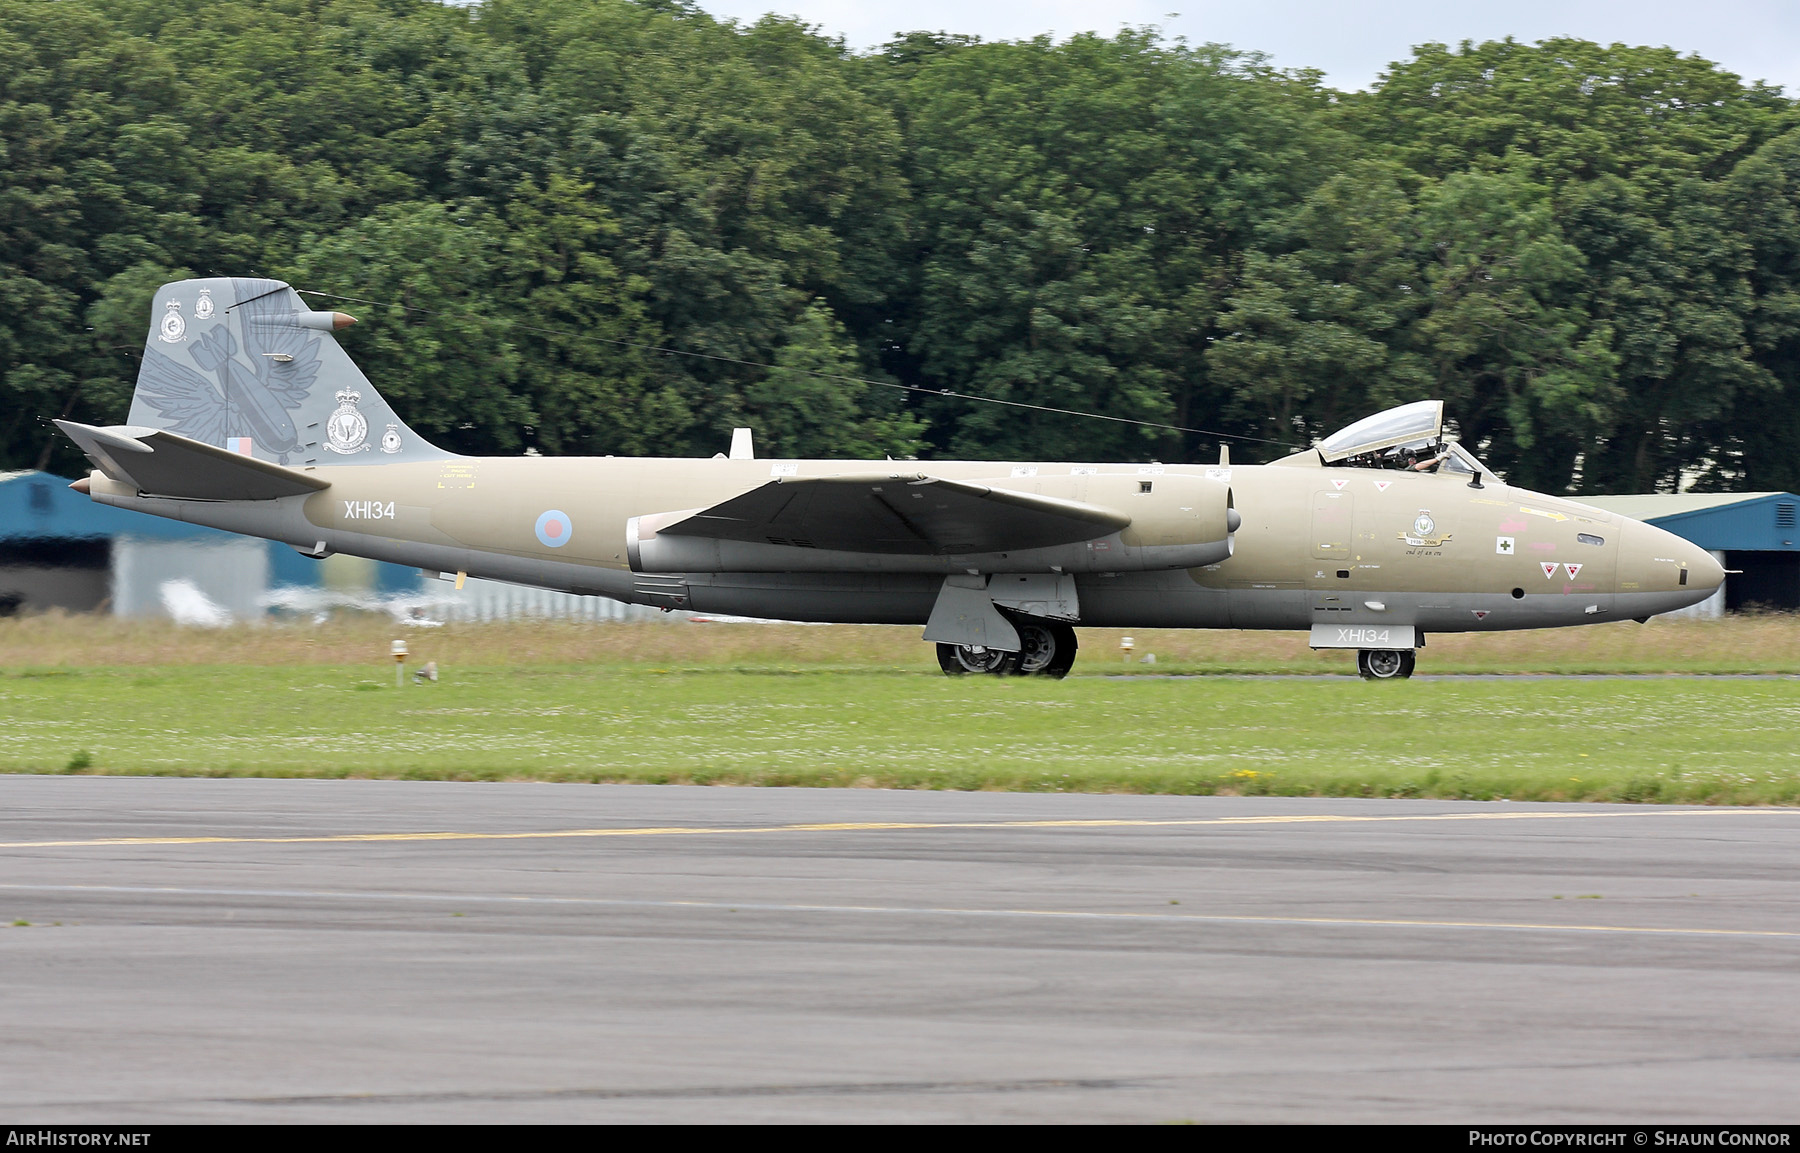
{"type": "Point", "coordinates": [160, 463]}
{"type": "Point", "coordinates": [916, 515]}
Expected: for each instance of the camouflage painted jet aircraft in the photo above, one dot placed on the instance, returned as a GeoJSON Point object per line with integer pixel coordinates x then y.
{"type": "Point", "coordinates": [249, 417]}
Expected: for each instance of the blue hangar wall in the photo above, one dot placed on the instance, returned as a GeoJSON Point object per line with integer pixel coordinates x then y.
{"type": "Point", "coordinates": [58, 549]}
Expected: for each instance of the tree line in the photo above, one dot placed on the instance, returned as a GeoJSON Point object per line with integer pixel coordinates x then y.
{"type": "Point", "coordinates": [622, 226]}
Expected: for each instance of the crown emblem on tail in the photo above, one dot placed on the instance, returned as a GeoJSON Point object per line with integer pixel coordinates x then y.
{"type": "Point", "coordinates": [173, 328]}
{"type": "Point", "coordinates": [347, 429]}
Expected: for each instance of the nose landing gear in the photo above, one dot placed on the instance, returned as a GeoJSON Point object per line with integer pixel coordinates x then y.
{"type": "Point", "coordinates": [1047, 650]}
{"type": "Point", "coordinates": [1384, 664]}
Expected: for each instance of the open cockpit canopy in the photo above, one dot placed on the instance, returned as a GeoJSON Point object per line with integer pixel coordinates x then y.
{"type": "Point", "coordinates": [1419, 423]}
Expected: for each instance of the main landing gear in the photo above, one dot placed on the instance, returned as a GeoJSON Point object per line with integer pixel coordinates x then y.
{"type": "Point", "coordinates": [1048, 651]}
{"type": "Point", "coordinates": [1384, 664]}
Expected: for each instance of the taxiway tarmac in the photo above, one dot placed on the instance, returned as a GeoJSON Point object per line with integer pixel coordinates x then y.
{"type": "Point", "coordinates": [316, 951]}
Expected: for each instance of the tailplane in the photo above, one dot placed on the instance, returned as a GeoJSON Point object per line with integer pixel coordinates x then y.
{"type": "Point", "coordinates": [245, 365]}
{"type": "Point", "coordinates": [157, 462]}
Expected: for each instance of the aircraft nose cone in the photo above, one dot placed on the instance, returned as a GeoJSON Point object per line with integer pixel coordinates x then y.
{"type": "Point", "coordinates": [1704, 572]}
{"type": "Point", "coordinates": [1672, 572]}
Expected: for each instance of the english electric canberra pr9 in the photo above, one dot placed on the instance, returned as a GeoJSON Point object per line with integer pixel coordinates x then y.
{"type": "Point", "coordinates": [249, 417]}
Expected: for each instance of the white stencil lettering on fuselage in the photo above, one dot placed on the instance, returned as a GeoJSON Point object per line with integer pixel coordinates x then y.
{"type": "Point", "coordinates": [368, 510]}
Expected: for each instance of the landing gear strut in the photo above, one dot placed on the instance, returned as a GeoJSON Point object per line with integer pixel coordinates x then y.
{"type": "Point", "coordinates": [1384, 664]}
{"type": "Point", "coordinates": [1048, 650]}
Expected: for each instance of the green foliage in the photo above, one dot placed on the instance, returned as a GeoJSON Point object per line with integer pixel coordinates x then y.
{"type": "Point", "coordinates": [809, 407]}
{"type": "Point", "coordinates": [1313, 333]}
{"type": "Point", "coordinates": [1077, 206]}
{"type": "Point", "coordinates": [433, 350]}
{"type": "Point", "coordinates": [1636, 365]}
{"type": "Point", "coordinates": [1588, 251]}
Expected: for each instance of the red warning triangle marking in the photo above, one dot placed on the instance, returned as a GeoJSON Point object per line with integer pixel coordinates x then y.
{"type": "Point", "coordinates": [1480, 614]}
{"type": "Point", "coordinates": [1382, 485]}
{"type": "Point", "coordinates": [1549, 567]}
{"type": "Point", "coordinates": [1573, 569]}
{"type": "Point", "coordinates": [1339, 483]}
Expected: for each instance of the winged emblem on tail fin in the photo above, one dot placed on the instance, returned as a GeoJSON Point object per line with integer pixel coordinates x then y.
{"type": "Point", "coordinates": [187, 402]}
{"type": "Point", "coordinates": [252, 395]}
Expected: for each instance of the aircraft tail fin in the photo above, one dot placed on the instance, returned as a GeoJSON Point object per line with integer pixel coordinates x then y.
{"type": "Point", "coordinates": [246, 365]}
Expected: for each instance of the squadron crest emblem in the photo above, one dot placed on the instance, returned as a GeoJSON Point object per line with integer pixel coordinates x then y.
{"type": "Point", "coordinates": [1424, 532]}
{"type": "Point", "coordinates": [347, 428]}
{"type": "Point", "coordinates": [173, 328]}
{"type": "Point", "coordinates": [390, 440]}
{"type": "Point", "coordinates": [204, 309]}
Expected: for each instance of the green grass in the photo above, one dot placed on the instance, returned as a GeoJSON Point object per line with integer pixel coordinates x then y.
{"type": "Point", "coordinates": [1707, 740]}
{"type": "Point", "coordinates": [48, 643]}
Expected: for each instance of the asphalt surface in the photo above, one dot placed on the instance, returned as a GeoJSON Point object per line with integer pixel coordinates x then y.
{"type": "Point", "coordinates": [258, 950]}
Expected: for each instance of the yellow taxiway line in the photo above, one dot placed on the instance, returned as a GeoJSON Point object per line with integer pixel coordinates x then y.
{"type": "Point", "coordinates": [874, 826]}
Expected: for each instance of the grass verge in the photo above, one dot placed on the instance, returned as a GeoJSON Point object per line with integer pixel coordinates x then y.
{"type": "Point", "coordinates": [1708, 740]}
{"type": "Point", "coordinates": [1739, 644]}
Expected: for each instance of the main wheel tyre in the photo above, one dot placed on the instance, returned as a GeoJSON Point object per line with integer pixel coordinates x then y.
{"type": "Point", "coordinates": [1048, 649]}
{"type": "Point", "coordinates": [1041, 645]}
{"type": "Point", "coordinates": [956, 660]}
{"type": "Point", "coordinates": [1384, 664]}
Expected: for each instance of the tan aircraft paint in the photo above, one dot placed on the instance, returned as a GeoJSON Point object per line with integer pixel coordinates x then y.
{"type": "Point", "coordinates": [492, 503]}
{"type": "Point", "coordinates": [1303, 525]}
{"type": "Point", "coordinates": [1288, 539]}
{"type": "Point", "coordinates": [1316, 545]}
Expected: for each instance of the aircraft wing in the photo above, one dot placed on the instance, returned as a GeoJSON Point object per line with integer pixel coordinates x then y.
{"type": "Point", "coordinates": [161, 463]}
{"type": "Point", "coordinates": [898, 514]}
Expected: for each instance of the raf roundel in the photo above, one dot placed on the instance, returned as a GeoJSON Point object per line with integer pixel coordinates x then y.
{"type": "Point", "coordinates": [553, 529]}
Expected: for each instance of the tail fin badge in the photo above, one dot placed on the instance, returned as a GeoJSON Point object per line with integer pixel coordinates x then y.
{"type": "Point", "coordinates": [204, 309]}
{"type": "Point", "coordinates": [173, 328]}
{"type": "Point", "coordinates": [347, 430]}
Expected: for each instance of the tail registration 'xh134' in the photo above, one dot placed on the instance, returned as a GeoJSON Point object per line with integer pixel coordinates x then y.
{"type": "Point", "coordinates": [249, 417]}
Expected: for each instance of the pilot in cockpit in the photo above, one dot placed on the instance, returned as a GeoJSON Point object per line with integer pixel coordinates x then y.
{"type": "Point", "coordinates": [1409, 438]}
{"type": "Point", "coordinates": [1416, 463]}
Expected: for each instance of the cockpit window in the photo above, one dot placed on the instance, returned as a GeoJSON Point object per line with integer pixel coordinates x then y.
{"type": "Point", "coordinates": [1420, 456]}
{"type": "Point", "coordinates": [1420, 423]}
{"type": "Point", "coordinates": [1459, 461]}
{"type": "Point", "coordinates": [1408, 438]}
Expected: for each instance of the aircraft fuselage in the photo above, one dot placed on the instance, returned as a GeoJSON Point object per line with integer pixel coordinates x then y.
{"type": "Point", "coordinates": [1317, 545]}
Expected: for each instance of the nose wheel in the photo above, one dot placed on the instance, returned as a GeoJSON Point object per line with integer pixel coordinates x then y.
{"type": "Point", "coordinates": [1046, 649]}
{"type": "Point", "coordinates": [1384, 664]}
